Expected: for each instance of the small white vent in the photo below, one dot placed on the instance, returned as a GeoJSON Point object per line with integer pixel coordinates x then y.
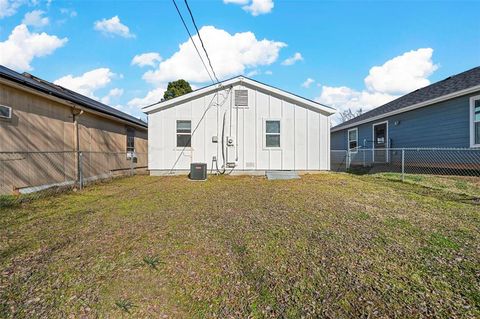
{"type": "Point", "coordinates": [5, 112]}
{"type": "Point", "coordinates": [241, 97]}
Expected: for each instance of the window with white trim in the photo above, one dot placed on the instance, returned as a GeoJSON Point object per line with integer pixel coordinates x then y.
{"type": "Point", "coordinates": [184, 133]}
{"type": "Point", "coordinates": [272, 133]}
{"type": "Point", "coordinates": [353, 139]}
{"type": "Point", "coordinates": [475, 105]}
{"type": "Point", "coordinates": [130, 142]}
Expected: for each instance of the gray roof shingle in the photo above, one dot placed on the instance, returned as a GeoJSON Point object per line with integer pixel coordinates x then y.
{"type": "Point", "coordinates": [66, 94]}
{"type": "Point", "coordinates": [447, 86]}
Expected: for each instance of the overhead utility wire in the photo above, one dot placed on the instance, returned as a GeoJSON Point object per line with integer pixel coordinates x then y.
{"type": "Point", "coordinates": [214, 74]}
{"type": "Point", "coordinates": [196, 49]}
{"type": "Point", "coordinates": [198, 125]}
{"type": "Point", "coordinates": [201, 41]}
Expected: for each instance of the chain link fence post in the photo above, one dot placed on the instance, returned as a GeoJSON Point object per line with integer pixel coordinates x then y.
{"type": "Point", "coordinates": [131, 165]}
{"type": "Point", "coordinates": [347, 161]}
{"type": "Point", "coordinates": [403, 165]}
{"type": "Point", "coordinates": [80, 170]}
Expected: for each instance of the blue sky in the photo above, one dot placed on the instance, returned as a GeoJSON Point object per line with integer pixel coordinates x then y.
{"type": "Point", "coordinates": [358, 54]}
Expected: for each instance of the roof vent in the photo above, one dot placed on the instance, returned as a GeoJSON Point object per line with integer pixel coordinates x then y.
{"type": "Point", "coordinates": [241, 97]}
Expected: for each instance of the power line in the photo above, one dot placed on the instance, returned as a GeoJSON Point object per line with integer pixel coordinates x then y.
{"type": "Point", "coordinates": [198, 125]}
{"type": "Point", "coordinates": [196, 49]}
{"type": "Point", "coordinates": [201, 41]}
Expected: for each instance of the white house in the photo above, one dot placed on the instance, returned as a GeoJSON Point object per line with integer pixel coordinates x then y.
{"type": "Point", "coordinates": [238, 126]}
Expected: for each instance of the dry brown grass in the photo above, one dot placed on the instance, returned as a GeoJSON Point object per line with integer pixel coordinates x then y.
{"type": "Point", "coordinates": [331, 245]}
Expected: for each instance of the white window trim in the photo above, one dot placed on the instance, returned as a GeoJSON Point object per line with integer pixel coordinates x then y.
{"type": "Point", "coordinates": [348, 139]}
{"type": "Point", "coordinates": [130, 153]}
{"type": "Point", "coordinates": [387, 141]}
{"type": "Point", "coordinates": [472, 121]}
{"type": "Point", "coordinates": [9, 112]}
{"type": "Point", "coordinates": [264, 135]}
{"type": "Point", "coordinates": [179, 148]}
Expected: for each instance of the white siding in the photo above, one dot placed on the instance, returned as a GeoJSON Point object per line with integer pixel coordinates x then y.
{"type": "Point", "coordinates": [304, 134]}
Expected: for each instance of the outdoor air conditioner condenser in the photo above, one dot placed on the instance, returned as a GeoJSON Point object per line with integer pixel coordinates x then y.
{"type": "Point", "coordinates": [198, 171]}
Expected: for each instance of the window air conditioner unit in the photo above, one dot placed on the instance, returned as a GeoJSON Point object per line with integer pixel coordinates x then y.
{"type": "Point", "coordinates": [5, 112]}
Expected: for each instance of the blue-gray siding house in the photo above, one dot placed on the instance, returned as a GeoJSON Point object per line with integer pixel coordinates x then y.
{"type": "Point", "coordinates": [445, 114]}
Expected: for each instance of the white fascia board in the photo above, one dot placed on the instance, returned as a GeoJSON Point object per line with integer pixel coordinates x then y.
{"type": "Point", "coordinates": [411, 107]}
{"type": "Point", "coordinates": [294, 98]}
{"type": "Point", "coordinates": [245, 81]}
{"type": "Point", "coordinates": [186, 97]}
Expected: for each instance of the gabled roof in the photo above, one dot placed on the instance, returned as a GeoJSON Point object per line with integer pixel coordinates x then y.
{"type": "Point", "coordinates": [453, 86]}
{"type": "Point", "coordinates": [242, 80]}
{"type": "Point", "coordinates": [66, 94]}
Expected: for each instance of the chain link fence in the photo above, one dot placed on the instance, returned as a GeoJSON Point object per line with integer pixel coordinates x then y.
{"type": "Point", "coordinates": [29, 175]}
{"type": "Point", "coordinates": [435, 161]}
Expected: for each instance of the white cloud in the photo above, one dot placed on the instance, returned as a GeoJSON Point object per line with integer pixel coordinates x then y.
{"type": "Point", "coordinates": [9, 7]}
{"type": "Point", "coordinates": [398, 76]}
{"type": "Point", "coordinates": [403, 73]}
{"type": "Point", "coordinates": [343, 98]}
{"type": "Point", "coordinates": [155, 95]}
{"type": "Point", "coordinates": [150, 59]}
{"type": "Point", "coordinates": [18, 51]}
{"type": "Point", "coordinates": [252, 73]}
{"type": "Point", "coordinates": [268, 72]}
{"type": "Point", "coordinates": [113, 93]}
{"type": "Point", "coordinates": [308, 82]}
{"type": "Point", "coordinates": [255, 7]}
{"type": "Point", "coordinates": [258, 7]}
{"type": "Point", "coordinates": [113, 27]}
{"type": "Point", "coordinates": [293, 59]}
{"type": "Point", "coordinates": [230, 55]}
{"type": "Point", "coordinates": [68, 12]}
{"type": "Point", "coordinates": [88, 82]}
{"type": "Point", "coordinates": [36, 19]}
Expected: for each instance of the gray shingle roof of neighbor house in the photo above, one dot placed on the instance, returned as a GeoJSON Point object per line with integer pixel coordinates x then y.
{"type": "Point", "coordinates": [66, 94]}
{"type": "Point", "coordinates": [450, 85]}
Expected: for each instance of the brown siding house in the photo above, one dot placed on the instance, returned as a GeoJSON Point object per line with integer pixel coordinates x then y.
{"type": "Point", "coordinates": [38, 116]}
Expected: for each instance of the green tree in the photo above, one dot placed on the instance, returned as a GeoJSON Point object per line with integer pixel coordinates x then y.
{"type": "Point", "coordinates": [177, 88]}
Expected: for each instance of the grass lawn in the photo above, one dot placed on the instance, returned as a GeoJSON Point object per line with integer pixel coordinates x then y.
{"type": "Point", "coordinates": [331, 245]}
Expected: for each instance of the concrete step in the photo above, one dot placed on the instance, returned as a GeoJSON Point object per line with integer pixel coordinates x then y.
{"type": "Point", "coordinates": [276, 175]}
